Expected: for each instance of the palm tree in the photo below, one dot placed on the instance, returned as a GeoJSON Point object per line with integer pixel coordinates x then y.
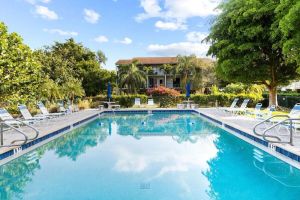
{"type": "Point", "coordinates": [131, 77]}
{"type": "Point", "coordinates": [168, 70]}
{"type": "Point", "coordinates": [186, 67]}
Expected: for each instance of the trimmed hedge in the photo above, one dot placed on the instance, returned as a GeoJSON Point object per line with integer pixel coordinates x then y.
{"type": "Point", "coordinates": [284, 100]}
{"type": "Point", "coordinates": [222, 99]}
{"type": "Point", "coordinates": [124, 100]}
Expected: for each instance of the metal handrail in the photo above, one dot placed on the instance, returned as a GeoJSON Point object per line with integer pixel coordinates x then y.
{"type": "Point", "coordinates": [19, 131]}
{"type": "Point", "coordinates": [290, 120]}
{"type": "Point", "coordinates": [264, 121]}
{"type": "Point", "coordinates": [12, 143]}
{"type": "Point", "coordinates": [28, 125]}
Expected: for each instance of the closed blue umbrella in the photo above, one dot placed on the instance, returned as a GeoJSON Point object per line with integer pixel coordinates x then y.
{"type": "Point", "coordinates": [188, 90]}
{"type": "Point", "coordinates": [108, 91]}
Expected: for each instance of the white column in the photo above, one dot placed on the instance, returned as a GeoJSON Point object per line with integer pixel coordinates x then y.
{"type": "Point", "coordinates": [165, 80]}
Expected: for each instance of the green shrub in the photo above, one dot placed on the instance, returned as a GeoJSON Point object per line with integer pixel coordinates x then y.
{"type": "Point", "coordinates": [128, 100]}
{"type": "Point", "coordinates": [124, 100]}
{"type": "Point", "coordinates": [223, 99]}
{"type": "Point", "coordinates": [165, 97]}
{"type": "Point", "coordinates": [165, 101]}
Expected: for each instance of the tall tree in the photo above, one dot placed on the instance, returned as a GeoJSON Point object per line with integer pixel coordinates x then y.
{"type": "Point", "coordinates": [186, 67]}
{"type": "Point", "coordinates": [19, 70]}
{"type": "Point", "coordinates": [70, 59]}
{"type": "Point", "coordinates": [131, 77]}
{"type": "Point", "coordinates": [242, 39]}
{"type": "Point", "coordinates": [101, 57]}
{"type": "Point", "coordinates": [289, 23]}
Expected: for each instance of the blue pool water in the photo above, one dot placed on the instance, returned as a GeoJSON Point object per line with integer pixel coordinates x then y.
{"type": "Point", "coordinates": [165, 156]}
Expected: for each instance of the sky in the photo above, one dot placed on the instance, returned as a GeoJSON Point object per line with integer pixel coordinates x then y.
{"type": "Point", "coordinates": [122, 29]}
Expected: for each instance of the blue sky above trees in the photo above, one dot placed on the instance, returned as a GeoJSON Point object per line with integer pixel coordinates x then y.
{"type": "Point", "coordinates": [120, 28]}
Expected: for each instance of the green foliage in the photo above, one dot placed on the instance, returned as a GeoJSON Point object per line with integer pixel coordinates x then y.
{"type": "Point", "coordinates": [223, 99]}
{"type": "Point", "coordinates": [124, 100]}
{"type": "Point", "coordinates": [101, 57]}
{"type": "Point", "coordinates": [49, 90]}
{"type": "Point", "coordinates": [69, 59]}
{"type": "Point", "coordinates": [289, 22]}
{"type": "Point", "coordinates": [215, 89]}
{"type": "Point", "coordinates": [162, 91]}
{"type": "Point", "coordinates": [201, 72]}
{"type": "Point", "coordinates": [185, 67]}
{"type": "Point", "coordinates": [235, 88]}
{"type": "Point", "coordinates": [248, 46]}
{"type": "Point", "coordinates": [239, 88]}
{"type": "Point", "coordinates": [131, 77]}
{"type": "Point", "coordinates": [165, 97]}
{"type": "Point", "coordinates": [72, 88]}
{"type": "Point", "coordinates": [19, 71]}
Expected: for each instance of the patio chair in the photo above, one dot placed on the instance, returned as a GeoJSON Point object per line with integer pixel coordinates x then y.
{"type": "Point", "coordinates": [8, 119]}
{"type": "Point", "coordinates": [27, 115]}
{"type": "Point", "coordinates": [242, 109]}
{"type": "Point", "coordinates": [61, 107]}
{"type": "Point", "coordinates": [137, 101]}
{"type": "Point", "coordinates": [257, 111]}
{"type": "Point", "coordinates": [46, 113]}
{"type": "Point", "coordinates": [294, 113]}
{"type": "Point", "coordinates": [150, 102]}
{"type": "Point", "coordinates": [180, 106]}
{"type": "Point", "coordinates": [232, 106]}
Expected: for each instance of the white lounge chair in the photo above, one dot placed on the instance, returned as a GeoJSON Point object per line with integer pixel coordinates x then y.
{"type": "Point", "coordinates": [61, 107]}
{"type": "Point", "coordinates": [27, 115]}
{"type": "Point", "coordinates": [150, 102]}
{"type": "Point", "coordinates": [294, 114]}
{"type": "Point", "coordinates": [242, 109]}
{"type": "Point", "coordinates": [257, 111]}
{"type": "Point", "coordinates": [232, 106]}
{"type": "Point", "coordinates": [46, 113]}
{"type": "Point", "coordinates": [8, 119]}
{"type": "Point", "coordinates": [137, 101]}
{"type": "Point", "coordinates": [180, 106]}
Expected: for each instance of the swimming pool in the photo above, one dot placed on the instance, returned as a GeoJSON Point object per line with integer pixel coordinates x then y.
{"type": "Point", "coordinates": [148, 156]}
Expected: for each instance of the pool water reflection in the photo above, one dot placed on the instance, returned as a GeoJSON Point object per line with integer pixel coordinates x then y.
{"type": "Point", "coordinates": [141, 156]}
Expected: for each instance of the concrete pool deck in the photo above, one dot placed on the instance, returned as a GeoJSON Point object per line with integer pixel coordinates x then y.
{"type": "Point", "coordinates": [246, 124]}
{"type": "Point", "coordinates": [56, 125]}
{"type": "Point", "coordinates": [51, 129]}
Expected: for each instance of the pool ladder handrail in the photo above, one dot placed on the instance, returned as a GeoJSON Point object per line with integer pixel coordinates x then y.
{"type": "Point", "coordinates": [279, 140]}
{"type": "Point", "coordinates": [24, 141]}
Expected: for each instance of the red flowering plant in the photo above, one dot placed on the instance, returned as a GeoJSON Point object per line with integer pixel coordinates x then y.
{"type": "Point", "coordinates": [166, 97]}
{"type": "Point", "coordinates": [163, 91]}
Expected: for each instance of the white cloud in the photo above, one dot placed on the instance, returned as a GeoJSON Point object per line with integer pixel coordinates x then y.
{"type": "Point", "coordinates": [170, 25]}
{"type": "Point", "coordinates": [183, 48]}
{"type": "Point", "coordinates": [166, 159]}
{"type": "Point", "coordinates": [192, 45]}
{"type": "Point", "coordinates": [45, 13]}
{"type": "Point", "coordinates": [177, 10]}
{"type": "Point", "coordinates": [61, 32]}
{"type": "Point", "coordinates": [126, 41]}
{"type": "Point", "coordinates": [91, 16]}
{"type": "Point", "coordinates": [151, 8]}
{"type": "Point", "coordinates": [196, 36]}
{"type": "Point", "coordinates": [101, 39]}
{"type": "Point", "coordinates": [37, 1]}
